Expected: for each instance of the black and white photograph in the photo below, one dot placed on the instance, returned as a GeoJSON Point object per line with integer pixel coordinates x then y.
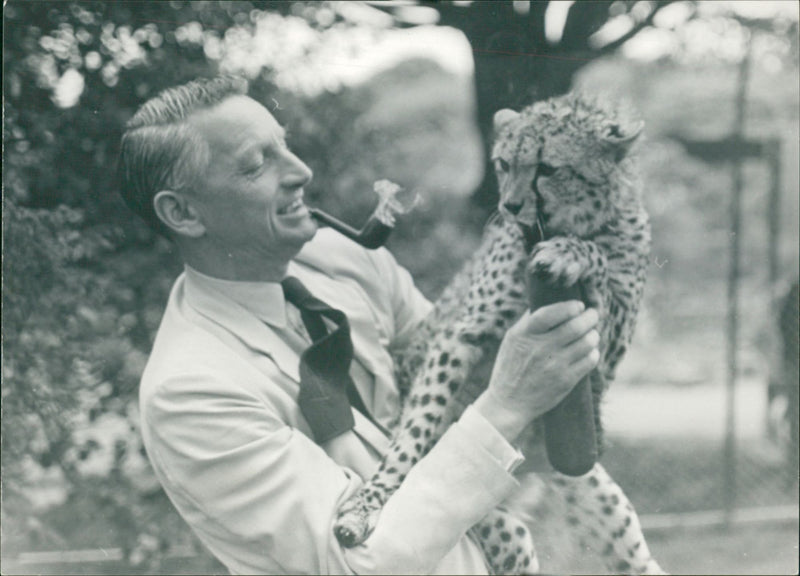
{"type": "Point", "coordinates": [400, 287]}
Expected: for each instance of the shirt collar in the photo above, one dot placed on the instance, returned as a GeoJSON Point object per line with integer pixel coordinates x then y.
{"type": "Point", "coordinates": [264, 299]}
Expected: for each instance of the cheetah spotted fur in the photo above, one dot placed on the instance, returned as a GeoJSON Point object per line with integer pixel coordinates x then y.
{"type": "Point", "coordinates": [563, 163]}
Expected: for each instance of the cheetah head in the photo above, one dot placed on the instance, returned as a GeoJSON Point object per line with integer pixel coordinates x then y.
{"type": "Point", "coordinates": [562, 163]}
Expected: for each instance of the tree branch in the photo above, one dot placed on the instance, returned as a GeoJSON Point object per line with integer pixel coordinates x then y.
{"type": "Point", "coordinates": [536, 32]}
{"type": "Point", "coordinates": [583, 20]}
{"type": "Point", "coordinates": [611, 46]}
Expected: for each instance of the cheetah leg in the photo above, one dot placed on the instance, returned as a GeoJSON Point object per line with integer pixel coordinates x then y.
{"type": "Point", "coordinates": [507, 543]}
{"type": "Point", "coordinates": [446, 365]}
{"type": "Point", "coordinates": [605, 520]}
{"type": "Point", "coordinates": [487, 309]}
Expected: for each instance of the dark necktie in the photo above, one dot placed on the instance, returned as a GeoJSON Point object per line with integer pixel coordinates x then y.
{"type": "Point", "coordinates": [326, 389]}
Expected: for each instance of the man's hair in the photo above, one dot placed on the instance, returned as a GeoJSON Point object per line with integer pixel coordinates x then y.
{"type": "Point", "coordinates": [161, 151]}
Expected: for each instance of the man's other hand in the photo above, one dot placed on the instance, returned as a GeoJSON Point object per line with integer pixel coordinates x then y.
{"type": "Point", "coordinates": [542, 357]}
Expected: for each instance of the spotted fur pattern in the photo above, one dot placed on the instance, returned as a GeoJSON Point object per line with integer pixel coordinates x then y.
{"type": "Point", "coordinates": [565, 164]}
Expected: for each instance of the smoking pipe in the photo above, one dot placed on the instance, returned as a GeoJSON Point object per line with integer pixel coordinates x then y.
{"type": "Point", "coordinates": [373, 235]}
{"type": "Point", "coordinates": [393, 200]}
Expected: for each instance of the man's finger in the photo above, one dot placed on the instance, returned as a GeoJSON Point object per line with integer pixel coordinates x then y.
{"type": "Point", "coordinates": [576, 327]}
{"type": "Point", "coordinates": [584, 365]}
{"type": "Point", "coordinates": [548, 317]}
{"type": "Point", "coordinates": [582, 346]}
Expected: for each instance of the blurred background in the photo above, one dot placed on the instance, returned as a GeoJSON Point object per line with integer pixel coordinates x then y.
{"type": "Point", "coordinates": [702, 423]}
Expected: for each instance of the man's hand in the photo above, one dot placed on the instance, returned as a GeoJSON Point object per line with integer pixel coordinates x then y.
{"type": "Point", "coordinates": [542, 357]}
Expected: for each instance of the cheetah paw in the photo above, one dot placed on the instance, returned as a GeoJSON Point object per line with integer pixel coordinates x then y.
{"type": "Point", "coordinates": [555, 262]}
{"type": "Point", "coordinates": [356, 520]}
{"type": "Point", "coordinates": [507, 544]}
{"type": "Point", "coordinates": [641, 568]}
{"type": "Point", "coordinates": [514, 563]}
{"type": "Point", "coordinates": [517, 564]}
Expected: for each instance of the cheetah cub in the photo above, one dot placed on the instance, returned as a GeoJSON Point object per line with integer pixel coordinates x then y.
{"type": "Point", "coordinates": [564, 167]}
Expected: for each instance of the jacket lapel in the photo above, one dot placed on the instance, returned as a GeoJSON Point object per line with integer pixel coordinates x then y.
{"type": "Point", "coordinates": [234, 320]}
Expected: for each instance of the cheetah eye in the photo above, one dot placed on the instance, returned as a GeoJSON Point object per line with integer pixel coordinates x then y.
{"type": "Point", "coordinates": [545, 170]}
{"type": "Point", "coordinates": [501, 165]}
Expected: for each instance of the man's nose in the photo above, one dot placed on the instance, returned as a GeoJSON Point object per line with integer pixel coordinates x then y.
{"type": "Point", "coordinates": [296, 172]}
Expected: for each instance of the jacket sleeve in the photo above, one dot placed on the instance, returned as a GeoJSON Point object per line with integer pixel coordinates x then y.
{"type": "Point", "coordinates": [452, 488]}
{"type": "Point", "coordinates": [263, 496]}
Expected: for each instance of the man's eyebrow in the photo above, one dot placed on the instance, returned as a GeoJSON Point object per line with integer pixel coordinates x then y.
{"type": "Point", "coordinates": [247, 152]}
{"type": "Point", "coordinates": [247, 148]}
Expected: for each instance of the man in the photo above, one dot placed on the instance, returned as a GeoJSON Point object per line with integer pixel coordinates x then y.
{"type": "Point", "coordinates": [209, 167]}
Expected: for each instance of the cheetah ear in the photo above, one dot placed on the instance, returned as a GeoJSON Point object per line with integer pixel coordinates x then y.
{"type": "Point", "coordinates": [621, 138]}
{"type": "Point", "coordinates": [504, 117]}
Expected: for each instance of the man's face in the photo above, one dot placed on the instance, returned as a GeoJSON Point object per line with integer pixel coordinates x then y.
{"type": "Point", "coordinates": [250, 198]}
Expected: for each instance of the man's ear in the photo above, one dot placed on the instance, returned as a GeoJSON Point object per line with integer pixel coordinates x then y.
{"type": "Point", "coordinates": [178, 214]}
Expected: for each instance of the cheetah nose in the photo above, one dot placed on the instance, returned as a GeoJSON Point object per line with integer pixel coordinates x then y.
{"type": "Point", "coordinates": [512, 208]}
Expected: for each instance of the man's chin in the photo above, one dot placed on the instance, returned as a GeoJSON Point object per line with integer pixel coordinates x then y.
{"type": "Point", "coordinates": [302, 232]}
{"type": "Point", "coordinates": [310, 228]}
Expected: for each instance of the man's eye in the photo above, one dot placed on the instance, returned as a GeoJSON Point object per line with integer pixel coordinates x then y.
{"type": "Point", "coordinates": [545, 169]}
{"type": "Point", "coordinates": [253, 169]}
{"type": "Point", "coordinates": [501, 165]}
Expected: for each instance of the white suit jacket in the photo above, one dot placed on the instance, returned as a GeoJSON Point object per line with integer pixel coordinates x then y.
{"type": "Point", "coordinates": [226, 438]}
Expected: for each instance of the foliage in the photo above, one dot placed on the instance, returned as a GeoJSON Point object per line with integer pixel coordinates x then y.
{"type": "Point", "coordinates": [84, 284]}
{"type": "Point", "coordinates": [81, 298]}
{"type": "Point", "coordinates": [79, 317]}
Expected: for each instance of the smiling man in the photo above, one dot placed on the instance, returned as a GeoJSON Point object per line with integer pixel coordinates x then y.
{"type": "Point", "coordinates": [221, 418]}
